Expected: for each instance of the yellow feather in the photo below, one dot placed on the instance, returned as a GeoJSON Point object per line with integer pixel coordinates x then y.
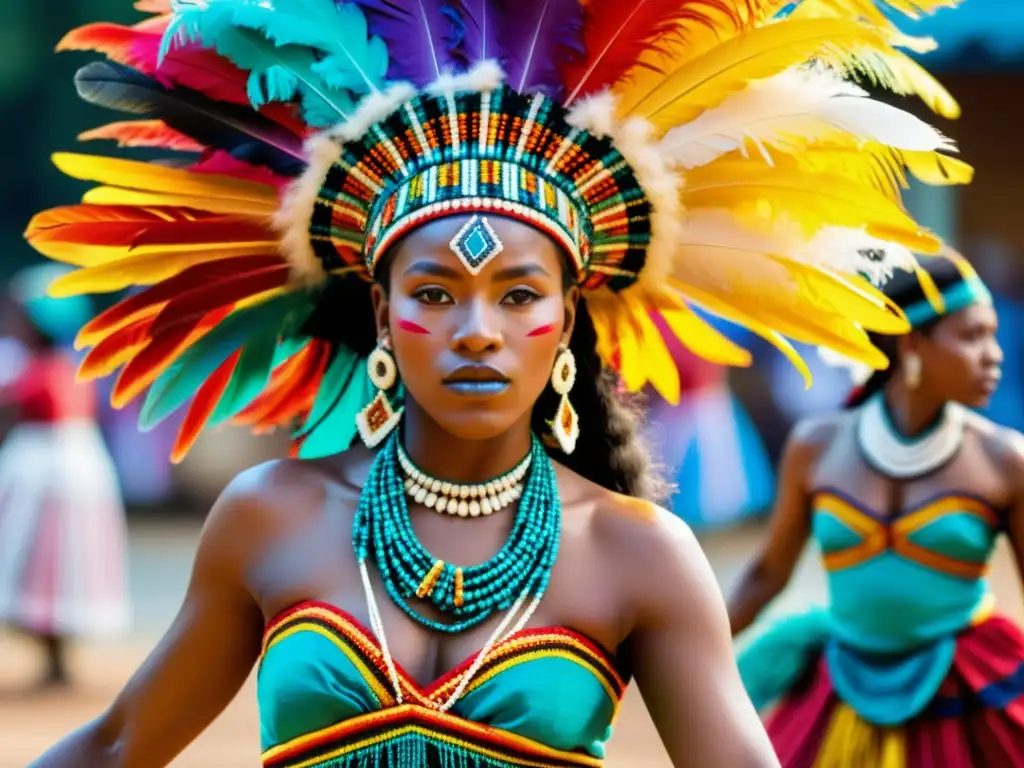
{"type": "Point", "coordinates": [157, 178]}
{"type": "Point", "coordinates": [740, 317]}
{"type": "Point", "coordinates": [660, 368]}
{"type": "Point", "coordinates": [80, 254]}
{"type": "Point", "coordinates": [631, 366]}
{"type": "Point", "coordinates": [148, 268]}
{"type": "Point", "coordinates": [937, 169]}
{"type": "Point", "coordinates": [696, 334]}
{"type": "Point", "coordinates": [600, 316]}
{"type": "Point", "coordinates": [872, 309]}
{"type": "Point", "coordinates": [684, 91]}
{"type": "Point", "coordinates": [119, 196]}
{"type": "Point", "coordinates": [752, 190]}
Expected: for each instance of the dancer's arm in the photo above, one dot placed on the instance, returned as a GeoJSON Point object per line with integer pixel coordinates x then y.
{"type": "Point", "coordinates": [682, 658]}
{"type": "Point", "coordinates": [1013, 471]}
{"type": "Point", "coordinates": [771, 569]}
{"type": "Point", "coordinates": [198, 666]}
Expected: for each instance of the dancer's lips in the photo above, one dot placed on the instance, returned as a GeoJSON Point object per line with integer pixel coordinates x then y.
{"type": "Point", "coordinates": [477, 380]}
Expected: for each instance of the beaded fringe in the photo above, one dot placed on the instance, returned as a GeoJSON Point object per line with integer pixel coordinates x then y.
{"type": "Point", "coordinates": [415, 751]}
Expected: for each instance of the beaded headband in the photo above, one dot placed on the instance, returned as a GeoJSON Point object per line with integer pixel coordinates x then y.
{"type": "Point", "coordinates": [495, 152]}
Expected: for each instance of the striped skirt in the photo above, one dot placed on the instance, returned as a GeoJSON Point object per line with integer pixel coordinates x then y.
{"type": "Point", "coordinates": [63, 538]}
{"type": "Point", "coordinates": [975, 721]}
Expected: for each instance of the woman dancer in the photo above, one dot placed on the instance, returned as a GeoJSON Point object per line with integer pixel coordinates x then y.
{"type": "Point", "coordinates": [906, 493]}
{"type": "Point", "coordinates": [62, 527]}
{"type": "Point", "coordinates": [457, 273]}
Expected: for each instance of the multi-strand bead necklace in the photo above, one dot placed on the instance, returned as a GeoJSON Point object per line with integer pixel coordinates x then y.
{"type": "Point", "coordinates": [470, 595]}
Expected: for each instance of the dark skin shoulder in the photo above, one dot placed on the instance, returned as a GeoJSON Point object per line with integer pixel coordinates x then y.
{"type": "Point", "coordinates": [213, 642]}
{"type": "Point", "coordinates": [812, 440]}
{"type": "Point", "coordinates": [679, 646]}
{"type": "Point", "coordinates": [1005, 447]}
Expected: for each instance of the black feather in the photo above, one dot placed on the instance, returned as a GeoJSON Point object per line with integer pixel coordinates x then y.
{"type": "Point", "coordinates": [242, 132]}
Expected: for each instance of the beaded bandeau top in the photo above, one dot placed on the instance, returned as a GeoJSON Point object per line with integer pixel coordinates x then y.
{"type": "Point", "coordinates": [544, 698]}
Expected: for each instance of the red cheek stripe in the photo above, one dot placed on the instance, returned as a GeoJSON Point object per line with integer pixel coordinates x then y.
{"type": "Point", "coordinates": [411, 327]}
{"type": "Point", "coordinates": [543, 330]}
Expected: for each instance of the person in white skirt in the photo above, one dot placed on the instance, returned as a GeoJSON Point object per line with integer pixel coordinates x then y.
{"type": "Point", "coordinates": [63, 538]}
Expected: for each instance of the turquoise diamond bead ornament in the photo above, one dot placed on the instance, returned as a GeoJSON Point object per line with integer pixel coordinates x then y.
{"type": "Point", "coordinates": [476, 244]}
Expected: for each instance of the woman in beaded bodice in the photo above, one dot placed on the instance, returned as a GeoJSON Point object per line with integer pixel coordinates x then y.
{"type": "Point", "coordinates": [455, 232]}
{"type": "Point", "coordinates": [905, 493]}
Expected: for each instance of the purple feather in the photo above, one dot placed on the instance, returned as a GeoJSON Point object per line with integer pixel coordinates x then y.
{"type": "Point", "coordinates": [421, 36]}
{"type": "Point", "coordinates": [536, 36]}
{"type": "Point", "coordinates": [481, 21]}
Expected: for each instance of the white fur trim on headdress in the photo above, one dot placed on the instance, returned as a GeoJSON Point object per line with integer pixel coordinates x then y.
{"type": "Point", "coordinates": [482, 78]}
{"type": "Point", "coordinates": [634, 139]}
{"type": "Point", "coordinates": [296, 211]}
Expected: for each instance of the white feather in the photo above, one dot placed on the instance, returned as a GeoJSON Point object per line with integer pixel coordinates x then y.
{"type": "Point", "coordinates": [839, 249]}
{"type": "Point", "coordinates": [859, 372]}
{"type": "Point", "coordinates": [786, 111]}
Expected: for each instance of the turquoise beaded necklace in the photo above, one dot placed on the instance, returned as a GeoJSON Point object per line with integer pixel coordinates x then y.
{"type": "Point", "coordinates": [383, 529]}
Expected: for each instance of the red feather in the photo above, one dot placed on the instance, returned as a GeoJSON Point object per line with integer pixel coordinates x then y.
{"type": "Point", "coordinates": [144, 133]}
{"type": "Point", "coordinates": [162, 350]}
{"type": "Point", "coordinates": [616, 34]}
{"type": "Point", "coordinates": [109, 224]}
{"type": "Point", "coordinates": [220, 229]}
{"type": "Point", "coordinates": [203, 404]}
{"type": "Point", "coordinates": [221, 163]}
{"type": "Point", "coordinates": [115, 41]}
{"type": "Point", "coordinates": [206, 298]}
{"type": "Point", "coordinates": [155, 297]}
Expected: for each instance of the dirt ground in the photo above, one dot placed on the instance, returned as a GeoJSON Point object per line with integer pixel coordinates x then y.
{"type": "Point", "coordinates": [160, 557]}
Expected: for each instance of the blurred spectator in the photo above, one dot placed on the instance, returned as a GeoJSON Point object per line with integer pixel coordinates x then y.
{"type": "Point", "coordinates": [62, 529]}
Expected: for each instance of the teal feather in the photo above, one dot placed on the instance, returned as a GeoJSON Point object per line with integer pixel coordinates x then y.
{"type": "Point", "coordinates": [345, 55]}
{"type": "Point", "coordinates": [250, 377]}
{"type": "Point", "coordinates": [256, 363]}
{"type": "Point", "coordinates": [184, 377]}
{"type": "Point", "coordinates": [336, 432]}
{"type": "Point", "coordinates": [338, 375]}
{"type": "Point", "coordinates": [275, 73]}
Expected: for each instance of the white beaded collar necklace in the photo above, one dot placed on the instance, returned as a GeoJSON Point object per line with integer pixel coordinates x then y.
{"type": "Point", "coordinates": [897, 456]}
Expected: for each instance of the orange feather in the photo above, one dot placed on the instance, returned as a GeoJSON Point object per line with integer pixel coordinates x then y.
{"type": "Point", "coordinates": [291, 390]}
{"type": "Point", "coordinates": [143, 133]}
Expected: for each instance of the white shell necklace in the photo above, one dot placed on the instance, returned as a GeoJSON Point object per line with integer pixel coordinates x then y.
{"type": "Point", "coordinates": [461, 499]}
{"type": "Point", "coordinates": [901, 457]}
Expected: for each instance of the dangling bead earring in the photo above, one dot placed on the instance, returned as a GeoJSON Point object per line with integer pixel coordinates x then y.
{"type": "Point", "coordinates": [912, 370]}
{"type": "Point", "coordinates": [377, 420]}
{"type": "Point", "coordinates": [565, 426]}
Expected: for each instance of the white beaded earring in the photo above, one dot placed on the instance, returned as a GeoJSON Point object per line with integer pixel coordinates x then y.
{"type": "Point", "coordinates": [378, 419]}
{"type": "Point", "coordinates": [565, 426]}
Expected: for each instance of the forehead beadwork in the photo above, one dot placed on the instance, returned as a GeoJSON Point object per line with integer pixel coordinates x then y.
{"type": "Point", "coordinates": [476, 244]}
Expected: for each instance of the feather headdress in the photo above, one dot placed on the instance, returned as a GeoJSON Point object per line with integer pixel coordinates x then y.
{"type": "Point", "coordinates": [711, 153]}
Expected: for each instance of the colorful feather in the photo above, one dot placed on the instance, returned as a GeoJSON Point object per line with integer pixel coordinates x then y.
{"type": "Point", "coordinates": [792, 111]}
{"type": "Point", "coordinates": [215, 294]}
{"type": "Point", "coordinates": [480, 28]}
{"type": "Point", "coordinates": [761, 193]}
{"type": "Point", "coordinates": [684, 92]}
{"type": "Point", "coordinates": [536, 36]}
{"type": "Point", "coordinates": [152, 299]}
{"type": "Point", "coordinates": [202, 407]}
{"type": "Point", "coordinates": [177, 384]}
{"type": "Point", "coordinates": [143, 133]}
{"type": "Point", "coordinates": [291, 391]}
{"type": "Point", "coordinates": [245, 134]}
{"type": "Point", "coordinates": [421, 36]}
{"type": "Point", "coordinates": [616, 35]}
{"type": "Point", "coordinates": [344, 391]}
{"type": "Point", "coordinates": [150, 177]}
{"type": "Point", "coordinates": [159, 353]}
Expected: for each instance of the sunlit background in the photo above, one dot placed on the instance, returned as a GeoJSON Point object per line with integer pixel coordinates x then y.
{"type": "Point", "coordinates": [720, 444]}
